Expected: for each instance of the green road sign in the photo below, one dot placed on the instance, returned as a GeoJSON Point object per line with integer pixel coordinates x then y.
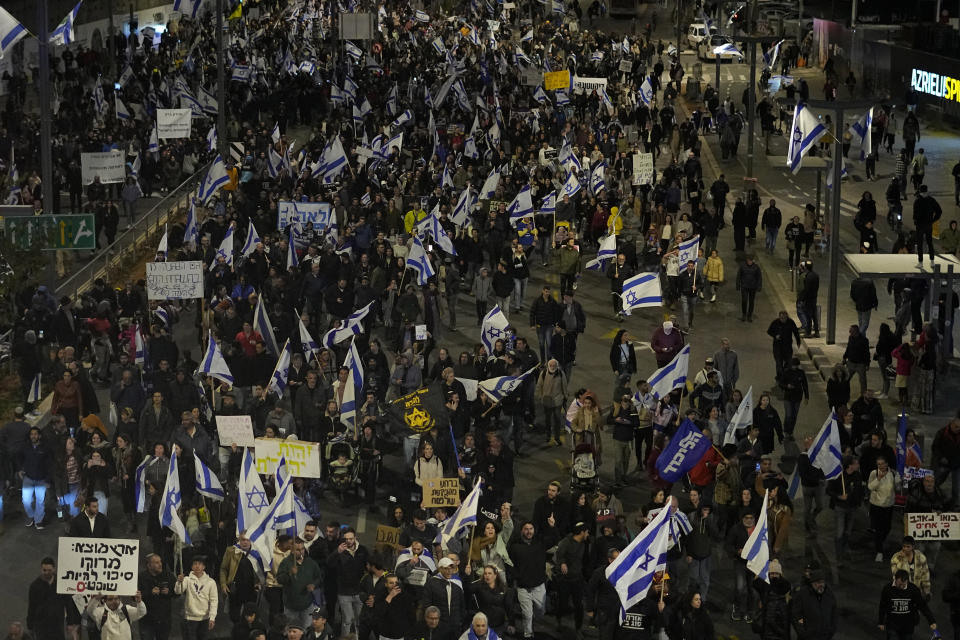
{"type": "Point", "coordinates": [55, 231]}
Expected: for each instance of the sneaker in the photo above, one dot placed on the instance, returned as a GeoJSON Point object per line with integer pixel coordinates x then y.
{"type": "Point", "coordinates": [878, 557]}
{"type": "Point", "coordinates": [735, 616]}
{"type": "Point", "coordinates": [553, 442]}
{"type": "Point", "coordinates": [713, 298]}
{"type": "Point", "coordinates": [39, 526]}
{"type": "Point", "coordinates": [29, 523]}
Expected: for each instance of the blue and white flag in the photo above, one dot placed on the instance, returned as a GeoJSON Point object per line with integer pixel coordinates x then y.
{"type": "Point", "coordinates": [741, 420]}
{"type": "Point", "coordinates": [901, 442]}
{"type": "Point", "coordinates": [642, 290]}
{"type": "Point", "coordinates": [153, 146]}
{"type": "Point", "coordinates": [207, 483]}
{"type": "Point", "coordinates": [253, 239]}
{"type": "Point", "coordinates": [64, 33]}
{"type": "Point", "coordinates": [826, 453]}
{"type": "Point", "coordinates": [11, 32]}
{"type": "Point", "coordinates": [425, 557]}
{"type": "Point", "coordinates": [241, 73]}
{"type": "Point", "coordinates": [214, 365]}
{"type": "Point", "coordinates": [562, 97]}
{"type": "Point", "coordinates": [418, 260]}
{"type": "Point", "coordinates": [756, 550]}
{"type": "Point", "coordinates": [806, 131]}
{"type": "Point", "coordinates": [793, 484]}
{"type": "Point", "coordinates": [500, 387]}
{"type": "Point", "coordinates": [348, 403]}
{"type": "Point", "coordinates": [275, 162]}
{"type": "Point", "coordinates": [727, 48]}
{"type": "Point", "coordinates": [572, 185]}
{"type": "Point", "coordinates": [522, 205]}
{"type": "Point", "coordinates": [125, 76]}
{"type": "Point", "coordinates": [829, 171]}
{"type": "Point", "coordinates": [460, 214]}
{"type": "Point", "coordinates": [669, 377]}
{"type": "Point", "coordinates": [140, 491]}
{"type": "Point", "coordinates": [215, 179]}
{"type": "Point", "coordinates": [464, 516]}
{"type": "Point", "coordinates": [164, 245]}
{"type": "Point", "coordinates": [687, 251]}
{"type": "Point", "coordinates": [421, 16]}
{"type": "Point", "coordinates": [493, 327]}
{"type": "Point", "coordinates": [171, 502]}
{"type": "Point", "coordinates": [120, 109]}
{"type": "Point", "coordinates": [139, 349]}
{"type": "Point", "coordinates": [35, 394]}
{"type": "Point", "coordinates": [350, 88]}
{"type": "Point", "coordinates": [438, 45]}
{"type": "Point", "coordinates": [262, 325]}
{"type": "Point", "coordinates": [333, 160]}
{"type": "Point", "coordinates": [446, 178]}
{"type": "Point", "coordinates": [212, 139]}
{"type": "Point", "coordinates": [353, 50]}
{"type": "Point", "coordinates": [646, 92]}
{"type": "Point", "coordinates": [163, 315]}
{"type": "Point", "coordinates": [431, 224]}
{"type": "Point", "coordinates": [596, 56]}
{"type": "Point", "coordinates": [605, 99]}
{"type": "Point", "coordinates": [683, 452]}
{"type": "Point", "coordinates": [402, 119]}
{"type": "Point", "coordinates": [194, 5]}
{"type": "Point", "coordinates": [292, 260]}
{"type": "Point", "coordinates": [281, 372]}
{"type": "Point", "coordinates": [597, 183]}
{"type": "Point", "coordinates": [548, 206]}
{"type": "Point", "coordinates": [470, 149]}
{"type": "Point", "coordinates": [770, 57]}
{"type": "Point", "coordinates": [489, 188]}
{"type": "Point", "coordinates": [527, 37]}
{"type": "Point", "coordinates": [862, 128]}
{"type": "Point", "coordinates": [631, 573]}
{"type": "Point", "coordinates": [225, 250]}
{"type": "Point", "coordinates": [540, 95]}
{"type": "Point", "coordinates": [607, 252]}
{"type": "Point", "coordinates": [251, 498]}
{"type": "Point", "coordinates": [493, 135]}
{"type": "Point", "coordinates": [307, 342]}
{"type": "Point", "coordinates": [352, 326]}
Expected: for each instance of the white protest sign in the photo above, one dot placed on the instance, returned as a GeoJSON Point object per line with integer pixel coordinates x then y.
{"type": "Point", "coordinates": [582, 84]}
{"type": "Point", "coordinates": [108, 165]}
{"type": "Point", "coordinates": [626, 66]}
{"type": "Point", "coordinates": [319, 213]}
{"type": "Point", "coordinates": [175, 280]}
{"type": "Point", "coordinates": [470, 387]}
{"type": "Point", "coordinates": [109, 566]}
{"type": "Point", "coordinates": [912, 473]}
{"type": "Point", "coordinates": [642, 168]}
{"type": "Point", "coordinates": [236, 430]}
{"type": "Point", "coordinates": [303, 458]}
{"type": "Point", "coordinates": [173, 123]}
{"type": "Point", "coordinates": [932, 526]}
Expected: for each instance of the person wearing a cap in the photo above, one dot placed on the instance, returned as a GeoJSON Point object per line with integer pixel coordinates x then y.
{"type": "Point", "coordinates": [701, 377]}
{"type": "Point", "coordinates": [199, 593]}
{"type": "Point", "coordinates": [318, 629]}
{"type": "Point", "coordinates": [814, 607]}
{"type": "Point", "coordinates": [447, 595]}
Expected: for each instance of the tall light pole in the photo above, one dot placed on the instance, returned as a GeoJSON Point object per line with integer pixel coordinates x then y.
{"type": "Point", "coordinates": [222, 142]}
{"type": "Point", "coordinates": [751, 42]}
{"type": "Point", "coordinates": [46, 153]}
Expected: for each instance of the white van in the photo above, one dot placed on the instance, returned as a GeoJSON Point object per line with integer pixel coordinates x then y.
{"type": "Point", "coordinates": [697, 33]}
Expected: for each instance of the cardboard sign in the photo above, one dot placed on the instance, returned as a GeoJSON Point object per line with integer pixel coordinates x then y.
{"type": "Point", "coordinates": [108, 165]}
{"type": "Point", "coordinates": [626, 66]}
{"type": "Point", "coordinates": [303, 458]}
{"type": "Point", "coordinates": [109, 566]}
{"type": "Point", "coordinates": [642, 168]}
{"type": "Point", "coordinates": [441, 492]}
{"type": "Point", "coordinates": [932, 526]}
{"type": "Point", "coordinates": [175, 280]}
{"type": "Point", "coordinates": [319, 213]}
{"type": "Point", "coordinates": [174, 123]}
{"type": "Point", "coordinates": [388, 536]}
{"type": "Point", "coordinates": [553, 80]}
{"type": "Point", "coordinates": [236, 430]}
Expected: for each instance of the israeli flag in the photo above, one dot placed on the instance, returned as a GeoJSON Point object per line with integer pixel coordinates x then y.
{"type": "Point", "coordinates": [631, 573]}
{"type": "Point", "coordinates": [163, 315]}
{"type": "Point", "coordinates": [597, 183]}
{"type": "Point", "coordinates": [418, 260]}
{"type": "Point", "coordinates": [607, 252]}
{"type": "Point", "coordinates": [216, 177]}
{"type": "Point", "coordinates": [494, 135]}
{"type": "Point", "coordinates": [438, 45]}
{"type": "Point", "coordinates": [153, 146]}
{"type": "Point", "coordinates": [464, 516]}
{"type": "Point", "coordinates": [34, 395]}
{"type": "Point", "coordinates": [241, 73]}
{"type": "Point", "coordinates": [15, 189]}
{"type": "Point", "coordinates": [572, 185]}
{"type": "Point", "coordinates": [669, 377]}
{"type": "Point", "coordinates": [843, 171]}
{"type": "Point", "coordinates": [214, 365]}
{"type": "Point", "coordinates": [901, 441]}
{"type": "Point", "coordinates": [350, 88]}
{"type": "Point", "coordinates": [596, 56]}
{"type": "Point", "coordinates": [212, 139]}
{"type": "Point", "coordinates": [306, 340]}
{"type": "Point", "coordinates": [446, 178]}
{"type": "Point", "coordinates": [431, 224]}
{"type": "Point", "coordinates": [770, 57]}
{"type": "Point", "coordinates": [402, 119]}
{"type": "Point", "coordinates": [493, 327]}
{"type": "Point", "coordinates": [540, 95]}
{"type": "Point", "coordinates": [172, 501]}
{"type": "Point", "coordinates": [372, 65]}
{"type": "Point", "coordinates": [460, 213]}
{"type": "Point", "coordinates": [807, 130]}
{"type": "Point", "coordinates": [11, 32]}
{"type": "Point", "coordinates": [470, 149]}
{"type": "Point", "coordinates": [549, 204]}
{"type": "Point", "coordinates": [519, 57]}
{"type": "Point", "coordinates": [353, 50]}
{"type": "Point", "coordinates": [125, 76]}
{"type": "Point", "coordinates": [121, 110]}
{"type": "Point", "coordinates": [140, 483]}
{"type": "Point", "coordinates": [641, 291]}
{"type": "Point", "coordinates": [139, 349]}
{"type": "Point", "coordinates": [337, 95]}
{"type": "Point", "coordinates": [261, 324]}
{"type": "Point", "coordinates": [421, 16]}
{"type": "Point", "coordinates": [352, 326]}
{"type": "Point", "coordinates": [793, 484]}
{"type": "Point", "coordinates": [426, 558]}
{"type": "Point", "coordinates": [568, 159]}
{"type": "Point", "coordinates": [825, 453]}
{"type": "Point", "coordinates": [489, 188]}
{"type": "Point", "coordinates": [251, 498]}
{"type": "Point", "coordinates": [727, 47]}
{"type": "Point", "coordinates": [275, 162]}
{"type": "Point", "coordinates": [348, 405]}
{"type": "Point", "coordinates": [562, 97]}
{"type": "Point", "coordinates": [292, 260]}
{"type": "Point", "coordinates": [522, 205]}
{"type": "Point", "coordinates": [500, 387]}
{"type": "Point", "coordinates": [333, 160]}
{"type": "Point", "coordinates": [253, 239]}
{"type": "Point", "coordinates": [281, 372]}
{"type": "Point", "coordinates": [646, 92]}
{"type": "Point", "coordinates": [225, 250]}
{"type": "Point", "coordinates": [194, 6]}
{"type": "Point", "coordinates": [756, 551]}
{"type": "Point", "coordinates": [207, 483]}
{"type": "Point", "coordinates": [688, 250]}
{"type": "Point", "coordinates": [862, 128]}
{"type": "Point", "coordinates": [741, 420]}
{"type": "Point", "coordinates": [605, 99]}
{"type": "Point", "coordinates": [527, 37]}
{"type": "Point", "coordinates": [163, 247]}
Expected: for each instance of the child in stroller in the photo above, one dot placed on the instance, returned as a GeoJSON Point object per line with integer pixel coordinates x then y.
{"type": "Point", "coordinates": [341, 461]}
{"type": "Point", "coordinates": [583, 472]}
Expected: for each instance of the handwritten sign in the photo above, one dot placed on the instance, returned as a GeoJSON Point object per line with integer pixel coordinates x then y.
{"type": "Point", "coordinates": [933, 526]}
{"type": "Point", "coordinates": [553, 80]}
{"type": "Point", "coordinates": [441, 492]}
{"type": "Point", "coordinates": [236, 430]}
{"type": "Point", "coordinates": [173, 123]}
{"type": "Point", "coordinates": [109, 566]}
{"type": "Point", "coordinates": [642, 168]}
{"type": "Point", "coordinates": [174, 280]}
{"type": "Point", "coordinates": [588, 85]}
{"type": "Point", "coordinates": [109, 166]}
{"type": "Point", "coordinates": [319, 213]}
{"type": "Point", "coordinates": [389, 536]}
{"type": "Point", "coordinates": [303, 458]}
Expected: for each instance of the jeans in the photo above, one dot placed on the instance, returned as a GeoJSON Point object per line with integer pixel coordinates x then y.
{"type": "Point", "coordinates": [747, 298]}
{"type": "Point", "coordinates": [33, 490]}
{"type": "Point", "coordinates": [812, 505]}
{"type": "Point", "coordinates": [544, 333]}
{"type": "Point", "coordinates": [843, 519]}
{"type": "Point", "coordinates": [743, 599]}
{"type": "Point", "coordinates": [349, 613]}
{"type": "Point", "coordinates": [791, 410]}
{"type": "Point", "coordinates": [863, 320]}
{"type": "Point", "coordinates": [410, 446]}
{"type": "Point", "coordinates": [802, 317]}
{"type": "Point", "coordinates": [531, 605]}
{"type": "Point", "coordinates": [687, 304]}
{"type": "Point", "coordinates": [154, 630]}
{"type": "Point", "coordinates": [861, 370]}
{"type": "Point", "coordinates": [195, 629]}
{"type": "Point", "coordinates": [519, 292]}
{"type": "Point", "coordinates": [771, 242]}
{"type": "Point", "coordinates": [299, 617]}
{"type": "Point", "coordinates": [698, 576]}
{"type": "Point", "coordinates": [504, 304]}
{"type": "Point", "coordinates": [621, 460]}
{"type": "Point", "coordinates": [68, 500]}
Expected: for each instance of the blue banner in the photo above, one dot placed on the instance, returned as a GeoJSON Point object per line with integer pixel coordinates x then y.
{"type": "Point", "coordinates": [683, 453]}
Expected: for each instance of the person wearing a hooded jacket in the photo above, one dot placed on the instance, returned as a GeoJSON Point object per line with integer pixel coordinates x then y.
{"type": "Point", "coordinates": [814, 609]}
{"type": "Point", "coordinates": [773, 617]}
{"type": "Point", "coordinates": [699, 547]}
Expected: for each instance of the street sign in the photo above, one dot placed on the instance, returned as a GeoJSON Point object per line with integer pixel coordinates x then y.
{"type": "Point", "coordinates": [60, 231]}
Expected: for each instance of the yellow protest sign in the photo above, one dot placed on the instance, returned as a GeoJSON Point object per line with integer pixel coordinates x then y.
{"type": "Point", "coordinates": [389, 536]}
{"type": "Point", "coordinates": [441, 492]}
{"type": "Point", "coordinates": [556, 80]}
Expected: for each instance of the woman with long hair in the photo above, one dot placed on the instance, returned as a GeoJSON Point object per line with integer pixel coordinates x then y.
{"type": "Point", "coordinates": [68, 478]}
{"type": "Point", "coordinates": [68, 400]}
{"type": "Point", "coordinates": [127, 457]}
{"type": "Point", "coordinates": [489, 548]}
{"type": "Point", "coordinates": [95, 478]}
{"type": "Point", "coordinates": [491, 597]}
{"type": "Point", "coordinates": [428, 466]}
{"type": "Point", "coordinates": [695, 621]}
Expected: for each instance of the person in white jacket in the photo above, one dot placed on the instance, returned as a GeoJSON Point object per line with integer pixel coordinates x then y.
{"type": "Point", "coordinates": [199, 600]}
{"type": "Point", "coordinates": [113, 618]}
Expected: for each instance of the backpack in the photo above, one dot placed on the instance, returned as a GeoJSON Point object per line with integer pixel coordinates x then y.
{"type": "Point", "coordinates": [103, 618]}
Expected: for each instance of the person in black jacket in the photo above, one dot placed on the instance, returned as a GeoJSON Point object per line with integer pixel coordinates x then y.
{"type": "Point", "coordinates": [618, 273]}
{"type": "Point", "coordinates": [544, 314]}
{"type": "Point", "coordinates": [846, 493]}
{"type": "Point", "coordinates": [793, 381]}
{"type": "Point", "coordinates": [394, 609]}
{"type": "Point", "coordinates": [812, 485]}
{"type": "Point", "coordinates": [900, 604]}
{"type": "Point", "coordinates": [570, 558]}
{"type": "Point", "coordinates": [864, 295]}
{"type": "Point", "coordinates": [46, 609]}
{"type": "Point", "coordinates": [694, 620]}
{"type": "Point", "coordinates": [348, 563]}
{"type": "Point", "coordinates": [156, 588]}
{"type": "Point", "coordinates": [623, 357]}
{"type": "Point", "coordinates": [807, 301]}
{"type": "Point", "coordinates": [926, 211]}
{"type": "Point", "coordinates": [35, 463]}
{"type": "Point", "coordinates": [90, 523]}
{"type": "Point", "coordinates": [490, 596]}
{"type": "Point", "coordinates": [551, 516]}
{"type": "Point", "coordinates": [447, 596]}
{"type": "Point", "coordinates": [774, 613]}
{"type": "Point", "coordinates": [770, 223]}
{"type": "Point", "coordinates": [749, 282]}
{"type": "Point", "coordinates": [782, 330]}
{"type": "Point", "coordinates": [502, 288]}
{"type": "Point", "coordinates": [951, 596]}
{"type": "Point", "coordinates": [602, 602]}
{"type": "Point", "coordinates": [814, 609]}
{"type": "Point", "coordinates": [529, 557]}
{"type": "Point", "coordinates": [857, 356]}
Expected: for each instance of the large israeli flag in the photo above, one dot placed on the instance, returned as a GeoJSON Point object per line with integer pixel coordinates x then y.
{"type": "Point", "coordinates": [522, 205]}
{"type": "Point", "coordinates": [489, 188]}
{"type": "Point", "coordinates": [171, 502]}
{"type": "Point", "coordinates": [826, 452]}
{"type": "Point", "coordinates": [214, 365]}
{"type": "Point", "coordinates": [225, 250]}
{"type": "Point", "coordinates": [307, 342]}
{"type": "Point", "coordinates": [464, 516]}
{"type": "Point", "coordinates": [262, 325]}
{"type": "Point", "coordinates": [669, 377]}
{"type": "Point", "coordinates": [432, 225]}
{"type": "Point", "coordinates": [806, 131]}
{"type": "Point", "coordinates": [631, 573]}
{"type": "Point", "coordinates": [572, 185]}
{"type": "Point", "coordinates": [642, 290]}
{"type": "Point", "coordinates": [11, 32]}
{"type": "Point", "coordinates": [597, 183]}
{"type": "Point", "coordinates": [646, 92]}
{"type": "Point", "coordinates": [548, 206]}
{"type": "Point", "coordinates": [460, 214]}
{"type": "Point", "coordinates": [215, 179]}
{"type": "Point", "coordinates": [688, 250]}
{"type": "Point", "coordinates": [756, 551]}
{"type": "Point", "coordinates": [207, 483]}
{"type": "Point", "coordinates": [64, 33]}
{"type": "Point", "coordinates": [607, 252]}
{"type": "Point", "coordinates": [251, 498]}
{"type": "Point", "coordinates": [493, 327]}
{"type": "Point", "coordinates": [418, 260]}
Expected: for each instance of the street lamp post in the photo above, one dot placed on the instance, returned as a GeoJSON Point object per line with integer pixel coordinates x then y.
{"type": "Point", "coordinates": [222, 142]}
{"type": "Point", "coordinates": [751, 42]}
{"type": "Point", "coordinates": [46, 153]}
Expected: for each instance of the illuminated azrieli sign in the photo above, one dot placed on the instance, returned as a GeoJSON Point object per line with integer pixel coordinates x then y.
{"type": "Point", "coordinates": [935, 85]}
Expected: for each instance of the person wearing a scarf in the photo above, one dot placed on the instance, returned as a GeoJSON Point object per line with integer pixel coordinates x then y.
{"type": "Point", "coordinates": [479, 629]}
{"type": "Point", "coordinates": [490, 548]}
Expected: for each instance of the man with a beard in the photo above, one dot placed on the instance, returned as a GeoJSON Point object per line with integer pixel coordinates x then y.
{"type": "Point", "coordinates": [419, 530]}
{"type": "Point", "coordinates": [156, 588]}
{"type": "Point", "coordinates": [46, 609]}
{"type": "Point", "coordinates": [814, 609]}
{"type": "Point", "coordinates": [238, 577]}
{"type": "Point", "coordinates": [900, 606]}
{"type": "Point", "coordinates": [529, 557]}
{"type": "Point", "coordinates": [442, 592]}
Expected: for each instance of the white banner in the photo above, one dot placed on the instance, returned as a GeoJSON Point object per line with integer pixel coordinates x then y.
{"type": "Point", "coordinates": [933, 526]}
{"type": "Point", "coordinates": [303, 458]}
{"type": "Point", "coordinates": [581, 84]}
{"type": "Point", "coordinates": [175, 280]}
{"type": "Point", "coordinates": [236, 430]}
{"type": "Point", "coordinates": [98, 565]}
{"type": "Point", "coordinates": [173, 123]}
{"type": "Point", "coordinates": [319, 213]}
{"type": "Point", "coordinates": [642, 168]}
{"type": "Point", "coordinates": [109, 165]}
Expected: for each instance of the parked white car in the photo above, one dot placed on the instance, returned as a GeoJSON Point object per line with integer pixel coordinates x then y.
{"type": "Point", "coordinates": [697, 33]}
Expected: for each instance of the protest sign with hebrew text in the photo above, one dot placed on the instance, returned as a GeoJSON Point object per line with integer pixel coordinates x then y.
{"type": "Point", "coordinates": [98, 565]}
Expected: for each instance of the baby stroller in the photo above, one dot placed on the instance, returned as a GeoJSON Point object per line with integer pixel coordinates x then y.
{"type": "Point", "coordinates": [583, 473]}
{"type": "Point", "coordinates": [342, 466]}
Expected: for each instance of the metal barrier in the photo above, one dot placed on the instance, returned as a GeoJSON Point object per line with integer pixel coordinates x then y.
{"type": "Point", "coordinates": [128, 243]}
